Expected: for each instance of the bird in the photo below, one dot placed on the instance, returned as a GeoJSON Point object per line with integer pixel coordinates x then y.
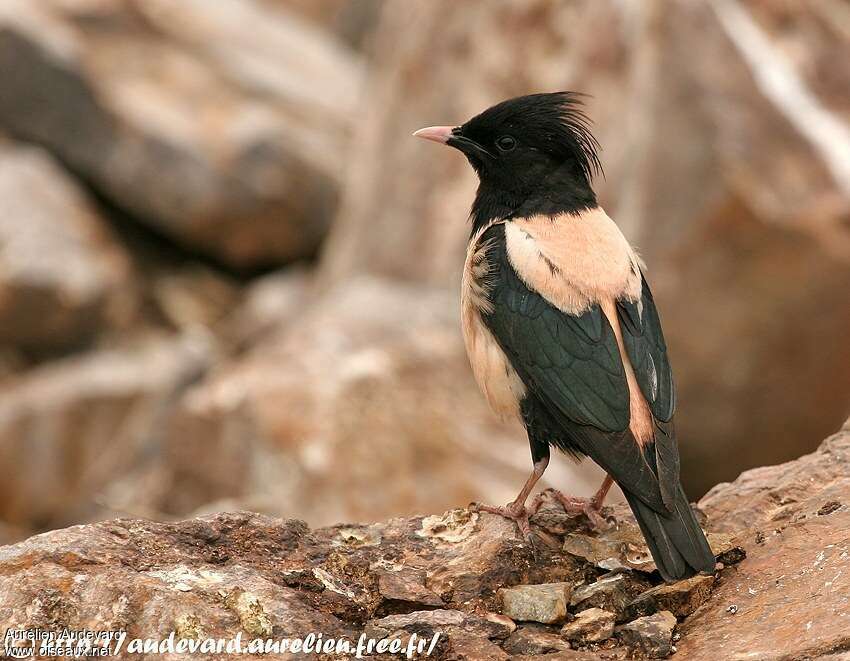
{"type": "Point", "coordinates": [559, 323]}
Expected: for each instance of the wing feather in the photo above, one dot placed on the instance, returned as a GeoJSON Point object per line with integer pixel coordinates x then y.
{"type": "Point", "coordinates": [647, 350]}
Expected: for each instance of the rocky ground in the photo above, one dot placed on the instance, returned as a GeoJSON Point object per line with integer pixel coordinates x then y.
{"type": "Point", "coordinates": [782, 536]}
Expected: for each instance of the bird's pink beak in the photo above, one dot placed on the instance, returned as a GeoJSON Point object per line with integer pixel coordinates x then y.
{"type": "Point", "coordinates": [439, 134]}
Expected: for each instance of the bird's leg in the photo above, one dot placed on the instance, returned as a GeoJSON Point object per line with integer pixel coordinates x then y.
{"type": "Point", "coordinates": [516, 510]}
{"type": "Point", "coordinates": [599, 497]}
{"type": "Point", "coordinates": [574, 505]}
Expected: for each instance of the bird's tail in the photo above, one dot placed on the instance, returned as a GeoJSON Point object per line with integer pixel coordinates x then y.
{"type": "Point", "coordinates": [675, 540]}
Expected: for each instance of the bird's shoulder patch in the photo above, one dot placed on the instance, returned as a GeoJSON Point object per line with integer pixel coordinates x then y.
{"type": "Point", "coordinates": [573, 260]}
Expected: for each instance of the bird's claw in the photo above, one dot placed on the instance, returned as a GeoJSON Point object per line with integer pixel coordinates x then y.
{"type": "Point", "coordinates": [577, 506]}
{"type": "Point", "coordinates": [516, 512]}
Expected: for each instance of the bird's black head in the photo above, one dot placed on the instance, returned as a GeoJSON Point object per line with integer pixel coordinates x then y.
{"type": "Point", "coordinates": [533, 154]}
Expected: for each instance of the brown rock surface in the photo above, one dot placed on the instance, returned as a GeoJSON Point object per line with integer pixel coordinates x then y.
{"type": "Point", "coordinates": [681, 598]}
{"type": "Point", "coordinates": [736, 196]}
{"type": "Point", "coordinates": [239, 572]}
{"type": "Point", "coordinates": [592, 625]}
{"type": "Point", "coordinates": [353, 20]}
{"type": "Point", "coordinates": [534, 639]}
{"type": "Point", "coordinates": [220, 124]}
{"type": "Point", "coordinates": [651, 635]}
{"type": "Point", "coordinates": [263, 576]}
{"type": "Point", "coordinates": [268, 305]}
{"type": "Point", "coordinates": [371, 381]}
{"type": "Point", "coordinates": [611, 592]}
{"type": "Point", "coordinates": [795, 581]}
{"type": "Point", "coordinates": [546, 603]}
{"type": "Point", "coordinates": [63, 276]}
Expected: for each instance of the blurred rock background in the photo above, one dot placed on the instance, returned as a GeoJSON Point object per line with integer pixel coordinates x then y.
{"type": "Point", "coordinates": [228, 276]}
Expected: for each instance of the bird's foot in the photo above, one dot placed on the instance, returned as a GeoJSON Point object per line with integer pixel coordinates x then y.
{"type": "Point", "coordinates": [515, 511]}
{"type": "Point", "coordinates": [574, 505]}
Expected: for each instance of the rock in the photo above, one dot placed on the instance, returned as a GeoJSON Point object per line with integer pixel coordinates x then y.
{"type": "Point", "coordinates": [775, 495]}
{"type": "Point", "coordinates": [269, 304]}
{"type": "Point", "coordinates": [576, 655]}
{"type": "Point", "coordinates": [148, 577]}
{"type": "Point", "coordinates": [407, 588]}
{"type": "Point", "coordinates": [107, 408]}
{"type": "Point", "coordinates": [652, 635]}
{"type": "Point", "coordinates": [611, 592]}
{"type": "Point", "coordinates": [534, 640]}
{"type": "Point", "coordinates": [487, 538]}
{"type": "Point", "coordinates": [63, 277]}
{"type": "Point", "coordinates": [248, 130]}
{"type": "Point", "coordinates": [546, 603]}
{"type": "Point", "coordinates": [681, 598]}
{"type": "Point", "coordinates": [234, 572]}
{"type": "Point", "coordinates": [191, 296]}
{"type": "Point", "coordinates": [503, 624]}
{"type": "Point", "coordinates": [363, 342]}
{"type": "Point", "coordinates": [419, 620]}
{"type": "Point", "coordinates": [428, 622]}
{"type": "Point", "coordinates": [250, 611]}
{"type": "Point", "coordinates": [472, 648]}
{"type": "Point", "coordinates": [753, 229]}
{"type": "Point", "coordinates": [589, 626]}
{"type": "Point", "coordinates": [731, 556]}
{"type": "Point", "coordinates": [354, 21]}
{"type": "Point", "coordinates": [227, 573]}
{"type": "Point", "coordinates": [791, 581]}
{"type": "Point", "coordinates": [623, 547]}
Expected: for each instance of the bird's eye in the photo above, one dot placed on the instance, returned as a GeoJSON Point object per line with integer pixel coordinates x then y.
{"type": "Point", "coordinates": [505, 143]}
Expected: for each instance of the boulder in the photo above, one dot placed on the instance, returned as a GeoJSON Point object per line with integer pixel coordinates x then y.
{"type": "Point", "coordinates": [186, 295]}
{"type": "Point", "coordinates": [239, 572]}
{"type": "Point", "coordinates": [736, 196]}
{"type": "Point", "coordinates": [63, 276]}
{"type": "Point", "coordinates": [370, 380]}
{"type": "Point", "coordinates": [250, 575]}
{"type": "Point", "coordinates": [269, 304]}
{"type": "Point", "coordinates": [793, 520]}
{"type": "Point", "coordinates": [221, 125]}
{"type": "Point", "coordinates": [80, 437]}
{"type": "Point", "coordinates": [354, 21]}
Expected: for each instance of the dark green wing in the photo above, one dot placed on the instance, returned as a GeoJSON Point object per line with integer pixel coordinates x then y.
{"type": "Point", "coordinates": [574, 360]}
{"type": "Point", "coordinates": [644, 342]}
{"type": "Point", "coordinates": [572, 364]}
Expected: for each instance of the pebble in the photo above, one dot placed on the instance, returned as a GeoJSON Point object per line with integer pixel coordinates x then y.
{"type": "Point", "coordinates": [652, 635]}
{"type": "Point", "coordinates": [589, 626]}
{"type": "Point", "coordinates": [545, 603]}
{"type": "Point", "coordinates": [681, 598]}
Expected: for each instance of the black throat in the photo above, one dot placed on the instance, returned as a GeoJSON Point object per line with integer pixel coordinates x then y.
{"type": "Point", "coordinates": [564, 190]}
